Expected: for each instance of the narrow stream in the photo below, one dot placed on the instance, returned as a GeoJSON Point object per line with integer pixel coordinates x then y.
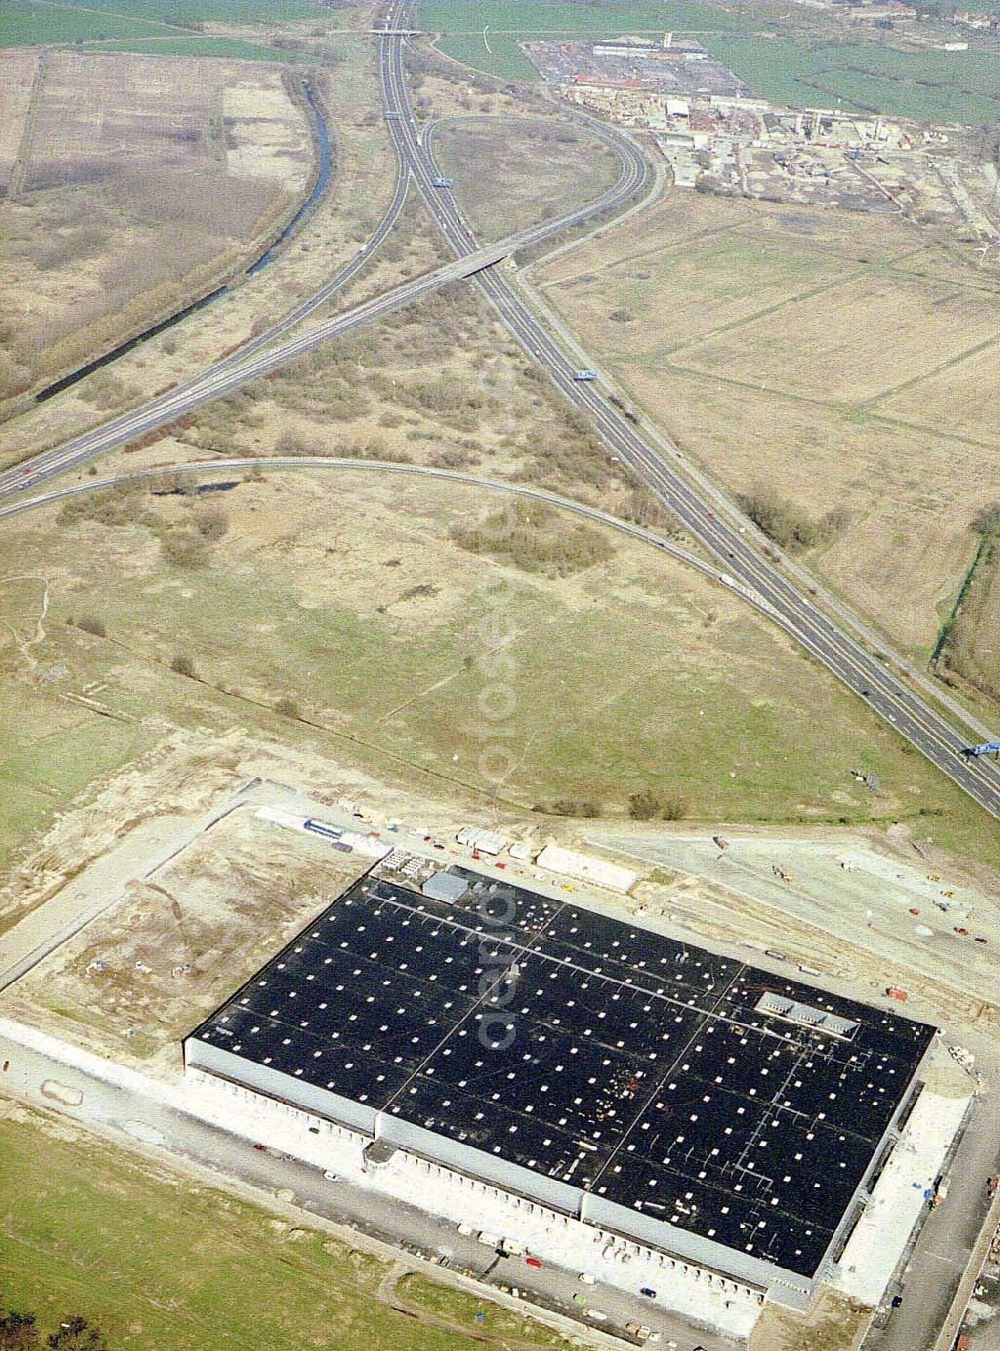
{"type": "Point", "coordinates": [322, 179]}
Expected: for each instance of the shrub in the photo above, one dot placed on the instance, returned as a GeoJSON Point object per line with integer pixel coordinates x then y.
{"type": "Point", "coordinates": [183, 665]}
{"type": "Point", "coordinates": [568, 806]}
{"type": "Point", "coordinates": [18, 1330]}
{"type": "Point", "coordinates": [120, 505]}
{"type": "Point", "coordinates": [185, 548]}
{"type": "Point", "coordinates": [287, 707]}
{"type": "Point", "coordinates": [421, 589]}
{"type": "Point", "coordinates": [986, 521]}
{"type": "Point", "coordinates": [212, 523]}
{"type": "Point", "coordinates": [644, 805]}
{"type": "Point", "coordinates": [91, 624]}
{"type": "Point", "coordinates": [76, 1334]}
{"type": "Point", "coordinates": [291, 442]}
{"type": "Point", "coordinates": [534, 537]}
{"type": "Point", "coordinates": [674, 809]}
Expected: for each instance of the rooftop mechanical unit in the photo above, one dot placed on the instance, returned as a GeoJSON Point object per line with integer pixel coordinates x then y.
{"type": "Point", "coordinates": [447, 887]}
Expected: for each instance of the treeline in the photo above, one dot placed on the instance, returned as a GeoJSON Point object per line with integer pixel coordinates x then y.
{"type": "Point", "coordinates": [178, 244]}
{"type": "Point", "coordinates": [788, 525]}
{"type": "Point", "coordinates": [964, 649]}
{"type": "Point", "coordinates": [646, 805]}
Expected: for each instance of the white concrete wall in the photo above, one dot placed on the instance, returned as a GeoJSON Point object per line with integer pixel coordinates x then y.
{"type": "Point", "coordinates": [560, 1239]}
{"type": "Point", "coordinates": [241, 1111]}
{"type": "Point", "coordinates": [571, 1243]}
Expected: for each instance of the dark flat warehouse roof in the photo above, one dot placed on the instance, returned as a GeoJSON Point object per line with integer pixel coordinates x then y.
{"type": "Point", "coordinates": [639, 1068]}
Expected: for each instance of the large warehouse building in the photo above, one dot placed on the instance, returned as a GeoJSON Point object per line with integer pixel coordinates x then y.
{"type": "Point", "coordinates": [682, 1101]}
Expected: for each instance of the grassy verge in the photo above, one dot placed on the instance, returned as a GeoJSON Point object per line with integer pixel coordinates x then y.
{"type": "Point", "coordinates": [158, 1262]}
{"type": "Point", "coordinates": [461, 1309]}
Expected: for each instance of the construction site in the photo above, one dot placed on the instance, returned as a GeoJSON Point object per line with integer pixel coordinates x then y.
{"type": "Point", "coordinates": [449, 1016]}
{"type": "Point", "coordinates": [716, 1130]}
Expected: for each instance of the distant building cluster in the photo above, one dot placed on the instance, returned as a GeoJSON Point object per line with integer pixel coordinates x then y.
{"type": "Point", "coordinates": [717, 138]}
{"type": "Point", "coordinates": [642, 71]}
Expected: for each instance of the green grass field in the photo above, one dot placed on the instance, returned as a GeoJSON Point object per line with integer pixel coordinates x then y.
{"type": "Point", "coordinates": [161, 1263]}
{"type": "Point", "coordinates": [128, 22]}
{"type": "Point", "coordinates": [49, 751]}
{"type": "Point", "coordinates": [463, 21]}
{"type": "Point", "coordinates": [23, 24]}
{"type": "Point", "coordinates": [632, 674]}
{"type": "Point", "coordinates": [460, 1308]}
{"type": "Point", "coordinates": [232, 48]}
{"type": "Point", "coordinates": [217, 11]}
{"type": "Point", "coordinates": [926, 86]}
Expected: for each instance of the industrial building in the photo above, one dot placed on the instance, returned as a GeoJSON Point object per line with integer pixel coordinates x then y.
{"type": "Point", "coordinates": [635, 1089]}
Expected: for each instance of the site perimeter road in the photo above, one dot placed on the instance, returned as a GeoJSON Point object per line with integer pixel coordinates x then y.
{"type": "Point", "coordinates": [862, 672]}
{"type": "Point", "coordinates": [115, 1104]}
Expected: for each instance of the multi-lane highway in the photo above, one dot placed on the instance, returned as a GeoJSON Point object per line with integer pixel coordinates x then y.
{"type": "Point", "coordinates": [250, 362]}
{"type": "Point", "coordinates": [745, 566]}
{"type": "Point", "coordinates": [737, 551]}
